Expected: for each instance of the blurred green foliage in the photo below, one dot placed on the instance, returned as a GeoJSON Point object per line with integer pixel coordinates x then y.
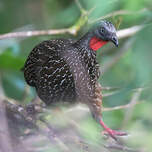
{"type": "Point", "coordinates": [132, 71]}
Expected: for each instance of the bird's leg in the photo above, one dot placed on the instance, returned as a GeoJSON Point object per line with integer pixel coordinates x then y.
{"type": "Point", "coordinates": [95, 108]}
{"type": "Point", "coordinates": [109, 131]}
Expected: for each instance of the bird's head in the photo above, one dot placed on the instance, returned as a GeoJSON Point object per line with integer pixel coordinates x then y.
{"type": "Point", "coordinates": [103, 32]}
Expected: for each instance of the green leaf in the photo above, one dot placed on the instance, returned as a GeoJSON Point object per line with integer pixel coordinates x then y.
{"type": "Point", "coordinates": [10, 61]}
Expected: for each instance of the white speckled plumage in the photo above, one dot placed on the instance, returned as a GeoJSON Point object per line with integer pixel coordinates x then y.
{"type": "Point", "coordinates": [67, 71]}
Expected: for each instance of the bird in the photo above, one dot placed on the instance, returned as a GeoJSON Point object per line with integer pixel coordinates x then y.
{"type": "Point", "coordinates": [66, 70]}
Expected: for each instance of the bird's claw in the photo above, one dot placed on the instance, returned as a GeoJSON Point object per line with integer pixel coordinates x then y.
{"type": "Point", "coordinates": [113, 133]}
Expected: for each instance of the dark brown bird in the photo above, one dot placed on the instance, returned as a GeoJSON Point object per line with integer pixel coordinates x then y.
{"type": "Point", "coordinates": [64, 70]}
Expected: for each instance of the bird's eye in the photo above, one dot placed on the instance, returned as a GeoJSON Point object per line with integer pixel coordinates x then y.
{"type": "Point", "coordinates": [102, 30]}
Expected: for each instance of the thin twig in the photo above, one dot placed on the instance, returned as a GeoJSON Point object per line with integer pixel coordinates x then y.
{"type": "Point", "coordinates": [110, 88]}
{"type": "Point", "coordinates": [133, 102]}
{"type": "Point", "coordinates": [80, 6]}
{"type": "Point", "coordinates": [109, 94]}
{"type": "Point", "coordinates": [117, 56]}
{"type": "Point", "coordinates": [91, 10]}
{"type": "Point", "coordinates": [120, 12]}
{"type": "Point", "coordinates": [115, 13]}
{"type": "Point", "coordinates": [120, 107]}
{"type": "Point", "coordinates": [70, 30]}
{"type": "Point", "coordinates": [60, 143]}
{"type": "Point", "coordinates": [120, 147]}
{"type": "Point", "coordinates": [103, 108]}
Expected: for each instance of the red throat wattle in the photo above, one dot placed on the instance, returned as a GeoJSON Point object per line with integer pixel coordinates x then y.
{"type": "Point", "coordinates": [96, 43]}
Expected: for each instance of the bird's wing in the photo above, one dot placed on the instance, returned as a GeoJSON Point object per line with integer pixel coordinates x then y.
{"type": "Point", "coordinates": [39, 56]}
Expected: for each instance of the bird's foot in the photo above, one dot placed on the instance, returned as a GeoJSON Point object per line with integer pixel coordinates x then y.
{"type": "Point", "coordinates": [112, 133]}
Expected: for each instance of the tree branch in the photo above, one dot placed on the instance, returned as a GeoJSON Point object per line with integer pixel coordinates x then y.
{"type": "Point", "coordinates": [133, 102]}
{"type": "Point", "coordinates": [117, 56]}
{"type": "Point", "coordinates": [80, 6]}
{"type": "Point", "coordinates": [119, 12]}
{"type": "Point", "coordinates": [129, 31]}
{"type": "Point", "coordinates": [36, 33]}
{"type": "Point", "coordinates": [121, 107]}
{"type": "Point", "coordinates": [72, 30]}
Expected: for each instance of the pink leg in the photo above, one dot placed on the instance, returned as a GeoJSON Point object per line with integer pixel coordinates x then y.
{"type": "Point", "coordinates": [111, 132]}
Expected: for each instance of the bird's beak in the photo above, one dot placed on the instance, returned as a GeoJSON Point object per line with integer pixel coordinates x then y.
{"type": "Point", "coordinates": [114, 40]}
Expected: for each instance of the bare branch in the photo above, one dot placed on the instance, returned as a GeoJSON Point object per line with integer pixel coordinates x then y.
{"type": "Point", "coordinates": [120, 107]}
{"type": "Point", "coordinates": [73, 31]}
{"type": "Point", "coordinates": [129, 31]}
{"type": "Point", "coordinates": [37, 33]}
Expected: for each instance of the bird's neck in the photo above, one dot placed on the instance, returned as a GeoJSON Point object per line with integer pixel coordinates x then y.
{"type": "Point", "coordinates": [91, 42]}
